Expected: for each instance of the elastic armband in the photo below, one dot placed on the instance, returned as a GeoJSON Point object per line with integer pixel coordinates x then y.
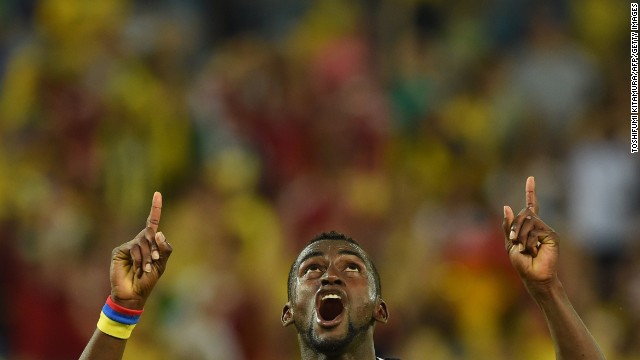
{"type": "Point", "coordinates": [118, 321]}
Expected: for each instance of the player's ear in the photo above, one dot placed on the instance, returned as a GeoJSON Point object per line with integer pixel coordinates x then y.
{"type": "Point", "coordinates": [287, 315]}
{"type": "Point", "coordinates": [381, 313]}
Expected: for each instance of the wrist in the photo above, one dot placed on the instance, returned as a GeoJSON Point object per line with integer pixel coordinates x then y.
{"type": "Point", "coordinates": [544, 290]}
{"type": "Point", "coordinates": [133, 304]}
{"type": "Point", "coordinates": [118, 321]}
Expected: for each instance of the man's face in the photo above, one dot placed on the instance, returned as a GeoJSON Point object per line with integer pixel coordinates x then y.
{"type": "Point", "coordinates": [334, 299]}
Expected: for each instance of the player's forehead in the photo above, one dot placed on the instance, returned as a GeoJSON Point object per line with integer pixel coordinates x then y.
{"type": "Point", "coordinates": [331, 248]}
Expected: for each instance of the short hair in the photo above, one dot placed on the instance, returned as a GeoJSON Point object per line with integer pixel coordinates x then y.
{"type": "Point", "coordinates": [333, 235]}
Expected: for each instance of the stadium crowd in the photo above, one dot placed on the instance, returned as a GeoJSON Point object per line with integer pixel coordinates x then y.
{"type": "Point", "coordinates": [405, 124]}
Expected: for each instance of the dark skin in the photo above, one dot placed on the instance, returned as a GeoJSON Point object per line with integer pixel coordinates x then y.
{"type": "Point", "coordinates": [135, 269]}
{"type": "Point", "coordinates": [337, 269]}
{"type": "Point", "coordinates": [533, 250]}
{"type": "Point", "coordinates": [334, 267]}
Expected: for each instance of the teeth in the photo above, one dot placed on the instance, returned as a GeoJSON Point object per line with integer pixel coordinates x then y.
{"type": "Point", "coordinates": [331, 296]}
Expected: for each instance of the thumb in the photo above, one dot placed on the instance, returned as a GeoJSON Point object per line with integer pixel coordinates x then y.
{"type": "Point", "coordinates": [507, 220]}
{"type": "Point", "coordinates": [164, 248]}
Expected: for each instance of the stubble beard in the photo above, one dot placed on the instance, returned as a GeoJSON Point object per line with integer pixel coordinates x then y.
{"type": "Point", "coordinates": [331, 346]}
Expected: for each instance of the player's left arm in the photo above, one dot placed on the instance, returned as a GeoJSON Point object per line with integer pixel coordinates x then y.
{"type": "Point", "coordinates": [533, 250]}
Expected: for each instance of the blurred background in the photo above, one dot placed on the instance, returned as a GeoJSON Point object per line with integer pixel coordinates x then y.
{"type": "Point", "coordinates": [405, 124]}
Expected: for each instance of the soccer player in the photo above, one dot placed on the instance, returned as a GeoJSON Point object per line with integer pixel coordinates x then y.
{"type": "Point", "coordinates": [334, 299]}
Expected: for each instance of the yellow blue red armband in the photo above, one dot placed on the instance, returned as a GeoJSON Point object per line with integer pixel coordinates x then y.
{"type": "Point", "coordinates": [118, 321]}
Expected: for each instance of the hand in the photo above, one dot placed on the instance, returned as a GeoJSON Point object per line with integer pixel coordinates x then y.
{"type": "Point", "coordinates": [531, 244]}
{"type": "Point", "coordinates": [137, 265]}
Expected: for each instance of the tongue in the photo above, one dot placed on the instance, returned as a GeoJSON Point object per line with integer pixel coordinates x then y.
{"type": "Point", "coordinates": [330, 309]}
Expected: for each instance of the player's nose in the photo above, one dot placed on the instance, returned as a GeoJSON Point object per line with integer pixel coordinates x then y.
{"type": "Point", "coordinates": [331, 277]}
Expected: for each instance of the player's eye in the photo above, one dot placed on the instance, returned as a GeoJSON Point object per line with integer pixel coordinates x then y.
{"type": "Point", "coordinates": [352, 267]}
{"type": "Point", "coordinates": [312, 268]}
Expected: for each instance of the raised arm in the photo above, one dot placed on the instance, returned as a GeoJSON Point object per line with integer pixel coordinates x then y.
{"type": "Point", "coordinates": [135, 269]}
{"type": "Point", "coordinates": [533, 250]}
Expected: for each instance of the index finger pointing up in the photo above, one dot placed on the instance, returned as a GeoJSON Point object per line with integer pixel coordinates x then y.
{"type": "Point", "coordinates": [532, 201]}
{"type": "Point", "coordinates": [156, 208]}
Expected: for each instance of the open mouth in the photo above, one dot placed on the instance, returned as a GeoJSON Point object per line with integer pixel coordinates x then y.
{"type": "Point", "coordinates": [329, 309]}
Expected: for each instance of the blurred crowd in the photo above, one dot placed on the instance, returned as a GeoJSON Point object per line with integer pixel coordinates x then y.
{"type": "Point", "coordinates": [405, 124]}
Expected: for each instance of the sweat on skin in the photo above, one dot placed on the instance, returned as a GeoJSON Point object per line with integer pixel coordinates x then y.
{"type": "Point", "coordinates": [334, 298]}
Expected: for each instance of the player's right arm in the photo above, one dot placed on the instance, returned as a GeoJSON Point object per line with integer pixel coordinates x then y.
{"type": "Point", "coordinates": [135, 269]}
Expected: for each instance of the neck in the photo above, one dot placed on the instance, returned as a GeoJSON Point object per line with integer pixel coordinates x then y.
{"type": "Point", "coordinates": [361, 348]}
